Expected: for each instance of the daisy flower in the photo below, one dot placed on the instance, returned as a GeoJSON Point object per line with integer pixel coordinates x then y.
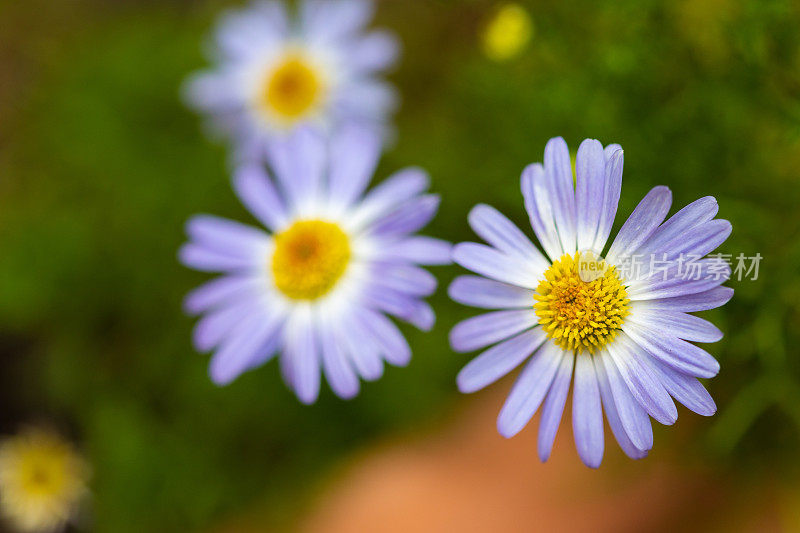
{"type": "Point", "coordinates": [275, 71]}
{"type": "Point", "coordinates": [42, 480]}
{"type": "Point", "coordinates": [621, 334]}
{"type": "Point", "coordinates": [317, 285]}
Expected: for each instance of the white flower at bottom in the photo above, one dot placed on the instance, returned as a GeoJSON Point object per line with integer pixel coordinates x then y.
{"type": "Point", "coordinates": [42, 481]}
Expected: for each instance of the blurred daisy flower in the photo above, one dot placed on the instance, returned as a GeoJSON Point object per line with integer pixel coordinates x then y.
{"type": "Point", "coordinates": [42, 480]}
{"type": "Point", "coordinates": [275, 72]}
{"type": "Point", "coordinates": [507, 33]}
{"type": "Point", "coordinates": [334, 261]}
{"type": "Point", "coordinates": [622, 332]}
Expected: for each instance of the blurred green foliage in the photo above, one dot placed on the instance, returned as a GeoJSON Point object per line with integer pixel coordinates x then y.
{"type": "Point", "coordinates": [100, 165]}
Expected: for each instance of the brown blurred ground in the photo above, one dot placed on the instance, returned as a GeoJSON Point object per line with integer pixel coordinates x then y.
{"type": "Point", "coordinates": [464, 477]}
{"type": "Point", "coordinates": [467, 478]}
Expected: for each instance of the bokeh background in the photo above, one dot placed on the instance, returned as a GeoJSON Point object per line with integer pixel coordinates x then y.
{"type": "Point", "coordinates": [101, 164]}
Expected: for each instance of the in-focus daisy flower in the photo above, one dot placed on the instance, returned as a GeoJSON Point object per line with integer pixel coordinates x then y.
{"type": "Point", "coordinates": [318, 284]}
{"type": "Point", "coordinates": [275, 71]}
{"type": "Point", "coordinates": [42, 480]}
{"type": "Point", "coordinates": [618, 322]}
{"type": "Point", "coordinates": [507, 33]}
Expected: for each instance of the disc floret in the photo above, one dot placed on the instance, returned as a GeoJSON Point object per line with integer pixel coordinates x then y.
{"type": "Point", "coordinates": [581, 315]}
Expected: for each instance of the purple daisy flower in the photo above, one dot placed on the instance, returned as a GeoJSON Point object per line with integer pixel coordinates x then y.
{"type": "Point", "coordinates": [317, 285]}
{"type": "Point", "coordinates": [622, 332]}
{"type": "Point", "coordinates": [275, 71]}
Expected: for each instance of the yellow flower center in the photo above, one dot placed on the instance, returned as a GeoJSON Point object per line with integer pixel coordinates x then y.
{"type": "Point", "coordinates": [581, 303]}
{"type": "Point", "coordinates": [292, 89]}
{"type": "Point", "coordinates": [41, 474]}
{"type": "Point", "coordinates": [309, 258]}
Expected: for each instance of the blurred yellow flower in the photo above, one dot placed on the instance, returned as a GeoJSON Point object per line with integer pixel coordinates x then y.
{"type": "Point", "coordinates": [42, 480]}
{"type": "Point", "coordinates": [507, 33]}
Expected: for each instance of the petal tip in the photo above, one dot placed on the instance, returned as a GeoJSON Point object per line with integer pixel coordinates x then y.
{"type": "Point", "coordinates": [463, 384]}
{"type": "Point", "coordinates": [544, 455]}
{"type": "Point", "coordinates": [219, 376]}
{"type": "Point", "coordinates": [506, 427]}
{"type": "Point", "coordinates": [592, 463]}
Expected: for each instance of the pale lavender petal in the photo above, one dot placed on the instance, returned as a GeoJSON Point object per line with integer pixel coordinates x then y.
{"type": "Point", "coordinates": [677, 324]}
{"type": "Point", "coordinates": [529, 390]}
{"type": "Point", "coordinates": [410, 217]}
{"type": "Point", "coordinates": [560, 185]}
{"type": "Point", "coordinates": [366, 99]}
{"type": "Point", "coordinates": [362, 351]}
{"type": "Point", "coordinates": [610, 150]}
{"type": "Point", "coordinates": [679, 354]}
{"type": "Point", "coordinates": [420, 250]}
{"type": "Point", "coordinates": [237, 352]}
{"type": "Point", "coordinates": [641, 224]}
{"type": "Point", "coordinates": [266, 351]}
{"type": "Point", "coordinates": [392, 344]}
{"type": "Point", "coordinates": [483, 330]}
{"type": "Point", "coordinates": [323, 20]}
{"type": "Point", "coordinates": [539, 208]}
{"type": "Point", "coordinates": [298, 161]}
{"type": "Point", "coordinates": [491, 263]}
{"type": "Point", "coordinates": [211, 91]}
{"type": "Point", "coordinates": [694, 214]}
{"type": "Point", "coordinates": [403, 278]}
{"type": "Point", "coordinates": [707, 274]}
{"type": "Point", "coordinates": [553, 408]}
{"type": "Point", "coordinates": [629, 422]}
{"type": "Point", "coordinates": [215, 326]}
{"type": "Point", "coordinates": [692, 245]}
{"type": "Point", "coordinates": [394, 191]}
{"type": "Point", "coordinates": [302, 350]}
{"type": "Point", "coordinates": [245, 32]}
{"type": "Point", "coordinates": [248, 135]}
{"type": "Point", "coordinates": [226, 237]}
{"type": "Point", "coordinates": [489, 294]}
{"type": "Point", "coordinates": [285, 365]}
{"type": "Point", "coordinates": [375, 51]}
{"type": "Point", "coordinates": [205, 260]}
{"type": "Point", "coordinates": [590, 171]}
{"type": "Point", "coordinates": [686, 389]}
{"type": "Point", "coordinates": [354, 154]}
{"type": "Point", "coordinates": [309, 159]}
{"type": "Point", "coordinates": [690, 303]}
{"type": "Point", "coordinates": [256, 191]}
{"type": "Point", "coordinates": [701, 239]}
{"type": "Point", "coordinates": [424, 317]}
{"type": "Point", "coordinates": [497, 230]}
{"type": "Point", "coordinates": [499, 360]}
{"type": "Point", "coordinates": [219, 292]}
{"type": "Point", "coordinates": [340, 375]}
{"type": "Point", "coordinates": [611, 192]}
{"type": "Point", "coordinates": [641, 381]}
{"type": "Point", "coordinates": [587, 413]}
{"type": "Point", "coordinates": [404, 307]}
